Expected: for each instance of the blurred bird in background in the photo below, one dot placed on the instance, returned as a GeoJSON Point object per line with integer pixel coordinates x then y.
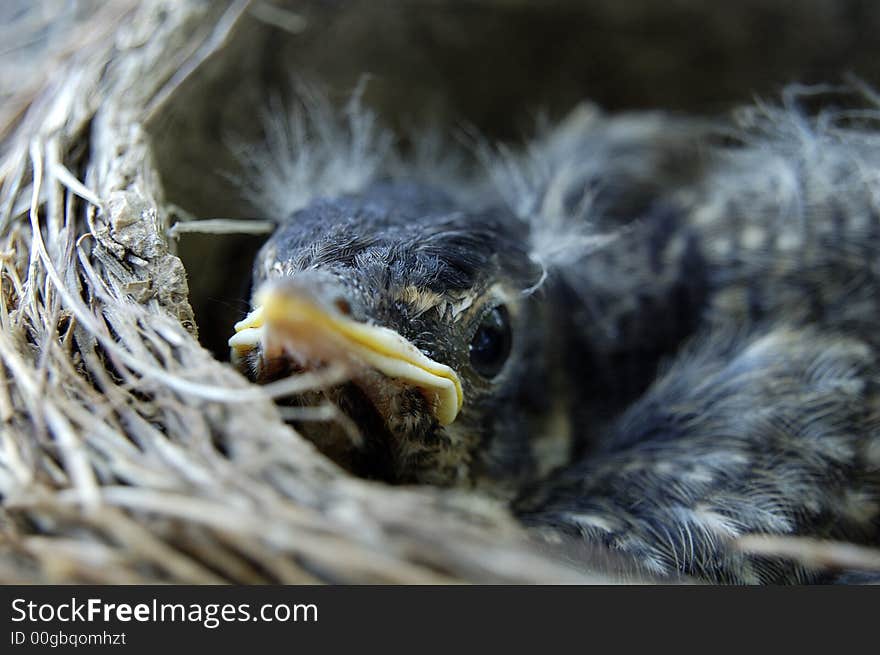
{"type": "Point", "coordinates": [652, 333]}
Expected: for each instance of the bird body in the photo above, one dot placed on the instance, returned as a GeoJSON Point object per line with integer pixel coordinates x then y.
{"type": "Point", "coordinates": [658, 343]}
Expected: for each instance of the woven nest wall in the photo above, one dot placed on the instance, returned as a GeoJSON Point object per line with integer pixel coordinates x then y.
{"type": "Point", "coordinates": [131, 450]}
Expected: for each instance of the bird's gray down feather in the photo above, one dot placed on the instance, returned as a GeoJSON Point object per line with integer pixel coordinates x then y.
{"type": "Point", "coordinates": [700, 304]}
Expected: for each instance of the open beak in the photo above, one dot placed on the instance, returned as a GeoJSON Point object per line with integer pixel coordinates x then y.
{"type": "Point", "coordinates": [288, 316]}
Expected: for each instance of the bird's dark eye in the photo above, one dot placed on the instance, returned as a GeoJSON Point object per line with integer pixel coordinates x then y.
{"type": "Point", "coordinates": [490, 346]}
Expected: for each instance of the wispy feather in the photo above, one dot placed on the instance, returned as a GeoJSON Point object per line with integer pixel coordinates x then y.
{"type": "Point", "coordinates": [310, 149]}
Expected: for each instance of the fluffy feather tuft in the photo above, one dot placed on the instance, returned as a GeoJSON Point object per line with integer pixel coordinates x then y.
{"type": "Point", "coordinates": [789, 169]}
{"type": "Point", "coordinates": [591, 179]}
{"type": "Point", "coordinates": [311, 150]}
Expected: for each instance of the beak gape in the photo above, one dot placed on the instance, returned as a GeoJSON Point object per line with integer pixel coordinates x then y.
{"type": "Point", "coordinates": [290, 320]}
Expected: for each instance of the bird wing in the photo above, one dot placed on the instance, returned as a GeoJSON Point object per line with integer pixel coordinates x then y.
{"type": "Point", "coordinates": [772, 432]}
{"type": "Point", "coordinates": [767, 421]}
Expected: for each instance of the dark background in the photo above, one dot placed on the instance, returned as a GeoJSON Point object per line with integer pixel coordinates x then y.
{"type": "Point", "coordinates": [493, 62]}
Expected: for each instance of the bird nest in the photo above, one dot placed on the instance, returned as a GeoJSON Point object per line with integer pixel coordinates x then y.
{"type": "Point", "coordinates": [130, 452]}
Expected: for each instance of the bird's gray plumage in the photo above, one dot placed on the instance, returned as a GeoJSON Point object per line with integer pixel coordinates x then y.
{"type": "Point", "coordinates": [694, 310]}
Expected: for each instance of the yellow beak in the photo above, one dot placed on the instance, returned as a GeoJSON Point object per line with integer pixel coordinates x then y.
{"type": "Point", "coordinates": [302, 322]}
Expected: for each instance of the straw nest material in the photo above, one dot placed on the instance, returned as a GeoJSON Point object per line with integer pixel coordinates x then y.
{"type": "Point", "coordinates": [130, 453]}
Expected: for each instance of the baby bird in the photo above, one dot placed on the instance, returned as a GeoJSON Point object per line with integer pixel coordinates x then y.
{"type": "Point", "coordinates": [653, 334]}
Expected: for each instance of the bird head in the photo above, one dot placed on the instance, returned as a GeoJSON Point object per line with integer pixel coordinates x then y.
{"type": "Point", "coordinates": [429, 309]}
